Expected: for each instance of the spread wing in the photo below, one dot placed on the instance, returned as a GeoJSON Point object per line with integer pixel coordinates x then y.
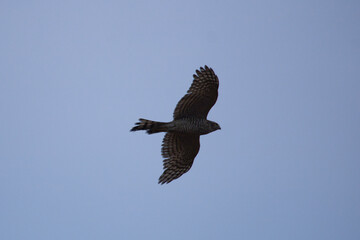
{"type": "Point", "coordinates": [200, 97]}
{"type": "Point", "coordinates": [179, 151]}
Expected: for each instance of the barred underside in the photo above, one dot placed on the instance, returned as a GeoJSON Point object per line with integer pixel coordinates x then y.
{"type": "Point", "coordinates": [201, 95]}
{"type": "Point", "coordinates": [179, 151]}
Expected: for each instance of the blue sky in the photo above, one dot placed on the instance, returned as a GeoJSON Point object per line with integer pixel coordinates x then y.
{"type": "Point", "coordinates": [76, 75]}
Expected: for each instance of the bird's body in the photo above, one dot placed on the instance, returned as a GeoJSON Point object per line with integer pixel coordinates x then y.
{"type": "Point", "coordinates": [181, 142]}
{"type": "Point", "coordinates": [188, 125]}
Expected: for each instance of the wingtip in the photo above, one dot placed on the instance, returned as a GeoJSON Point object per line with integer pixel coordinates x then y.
{"type": "Point", "coordinates": [205, 68]}
{"type": "Point", "coordinates": [161, 182]}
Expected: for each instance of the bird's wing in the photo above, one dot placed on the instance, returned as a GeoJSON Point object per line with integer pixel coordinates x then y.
{"type": "Point", "coordinates": [179, 151]}
{"type": "Point", "coordinates": [201, 95]}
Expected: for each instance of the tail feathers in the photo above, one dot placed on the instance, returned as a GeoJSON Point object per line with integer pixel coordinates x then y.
{"type": "Point", "coordinates": [149, 126]}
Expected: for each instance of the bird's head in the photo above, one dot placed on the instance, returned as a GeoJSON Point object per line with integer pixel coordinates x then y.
{"type": "Point", "coordinates": [214, 126]}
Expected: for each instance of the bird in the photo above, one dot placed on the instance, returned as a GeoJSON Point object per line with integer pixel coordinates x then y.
{"type": "Point", "coordinates": [181, 142]}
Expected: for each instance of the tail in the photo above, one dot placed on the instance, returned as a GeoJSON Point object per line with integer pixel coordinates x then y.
{"type": "Point", "coordinates": [150, 126]}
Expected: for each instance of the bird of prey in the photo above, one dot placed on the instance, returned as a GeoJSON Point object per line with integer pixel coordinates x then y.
{"type": "Point", "coordinates": [181, 143]}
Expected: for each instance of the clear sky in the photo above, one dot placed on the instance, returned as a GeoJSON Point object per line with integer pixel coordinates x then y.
{"type": "Point", "coordinates": [76, 75]}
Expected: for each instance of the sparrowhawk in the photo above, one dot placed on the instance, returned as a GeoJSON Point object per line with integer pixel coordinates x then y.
{"type": "Point", "coordinates": [181, 142]}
